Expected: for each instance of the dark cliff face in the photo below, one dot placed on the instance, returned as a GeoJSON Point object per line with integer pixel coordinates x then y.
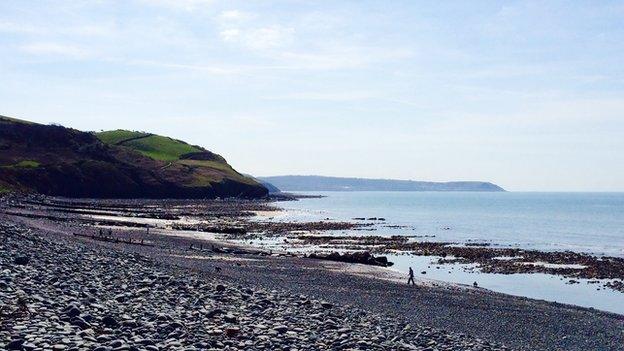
{"type": "Point", "coordinates": [54, 160]}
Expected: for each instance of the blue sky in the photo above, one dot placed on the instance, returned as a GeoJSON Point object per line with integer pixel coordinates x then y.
{"type": "Point", "coordinates": [529, 94]}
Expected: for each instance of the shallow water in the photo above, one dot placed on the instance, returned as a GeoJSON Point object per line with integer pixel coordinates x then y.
{"type": "Point", "coordinates": [582, 222]}
{"type": "Point", "coordinates": [537, 285]}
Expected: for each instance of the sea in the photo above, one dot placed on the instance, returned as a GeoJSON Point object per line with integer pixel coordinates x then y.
{"type": "Point", "coordinates": [581, 222]}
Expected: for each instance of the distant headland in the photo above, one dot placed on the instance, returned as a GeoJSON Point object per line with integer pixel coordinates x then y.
{"type": "Point", "coordinates": [322, 183]}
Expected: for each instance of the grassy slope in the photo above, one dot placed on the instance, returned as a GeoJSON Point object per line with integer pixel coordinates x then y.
{"type": "Point", "coordinates": [114, 137]}
{"type": "Point", "coordinates": [203, 178]}
{"type": "Point", "coordinates": [24, 164]}
{"type": "Point", "coordinates": [170, 150]}
{"type": "Point", "coordinates": [161, 148]}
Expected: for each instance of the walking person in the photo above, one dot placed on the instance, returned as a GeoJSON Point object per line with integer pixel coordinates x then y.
{"type": "Point", "coordinates": [411, 277]}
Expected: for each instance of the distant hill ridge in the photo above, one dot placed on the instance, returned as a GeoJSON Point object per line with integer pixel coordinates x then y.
{"type": "Point", "coordinates": [55, 160]}
{"type": "Point", "coordinates": [322, 183]}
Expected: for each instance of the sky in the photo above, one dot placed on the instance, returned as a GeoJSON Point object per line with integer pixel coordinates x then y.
{"type": "Point", "coordinates": [526, 94]}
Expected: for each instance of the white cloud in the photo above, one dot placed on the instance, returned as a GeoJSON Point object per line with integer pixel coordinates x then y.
{"type": "Point", "coordinates": [12, 27]}
{"type": "Point", "coordinates": [269, 37]}
{"type": "Point", "coordinates": [91, 30]}
{"type": "Point", "coordinates": [54, 49]}
{"type": "Point", "coordinates": [234, 16]}
{"type": "Point", "coordinates": [209, 69]}
{"type": "Point", "coordinates": [230, 35]}
{"type": "Point", "coordinates": [237, 28]}
{"type": "Point", "coordinates": [185, 5]}
{"type": "Point", "coordinates": [339, 96]}
{"type": "Point", "coordinates": [259, 38]}
{"type": "Point", "coordinates": [342, 57]}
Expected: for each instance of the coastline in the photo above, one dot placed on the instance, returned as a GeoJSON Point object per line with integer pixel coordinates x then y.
{"type": "Point", "coordinates": [517, 322]}
{"type": "Point", "coordinates": [559, 276]}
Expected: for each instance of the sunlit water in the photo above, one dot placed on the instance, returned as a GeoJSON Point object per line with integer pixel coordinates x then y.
{"type": "Point", "coordinates": [582, 222]}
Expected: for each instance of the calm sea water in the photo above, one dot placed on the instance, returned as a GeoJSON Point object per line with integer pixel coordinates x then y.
{"type": "Point", "coordinates": [582, 222]}
{"type": "Point", "coordinates": [585, 222]}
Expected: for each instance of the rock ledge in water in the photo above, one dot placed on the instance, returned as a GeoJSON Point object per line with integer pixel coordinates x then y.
{"type": "Point", "coordinates": [354, 257]}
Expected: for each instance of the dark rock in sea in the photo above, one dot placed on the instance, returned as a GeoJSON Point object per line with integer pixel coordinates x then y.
{"type": "Point", "coordinates": [383, 260]}
{"type": "Point", "coordinates": [225, 230]}
{"type": "Point", "coordinates": [354, 257]}
{"type": "Point", "coordinates": [617, 285]}
{"type": "Point", "coordinates": [478, 244]}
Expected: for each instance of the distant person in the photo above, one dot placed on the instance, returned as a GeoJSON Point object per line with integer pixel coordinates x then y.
{"type": "Point", "coordinates": [411, 277]}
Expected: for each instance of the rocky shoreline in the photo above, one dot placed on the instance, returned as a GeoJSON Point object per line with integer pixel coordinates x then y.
{"type": "Point", "coordinates": [63, 295]}
{"type": "Point", "coordinates": [235, 220]}
{"type": "Point", "coordinates": [100, 246]}
{"type": "Point", "coordinates": [605, 271]}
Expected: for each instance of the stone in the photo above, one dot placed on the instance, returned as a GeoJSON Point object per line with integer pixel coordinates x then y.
{"type": "Point", "coordinates": [232, 332]}
{"type": "Point", "coordinates": [15, 344]}
{"type": "Point", "coordinates": [326, 304]}
{"type": "Point", "coordinates": [229, 318]}
{"type": "Point", "coordinates": [280, 329]}
{"type": "Point", "coordinates": [115, 343]}
{"type": "Point", "coordinates": [72, 311]}
{"type": "Point", "coordinates": [76, 291]}
{"type": "Point", "coordinates": [109, 322]}
{"type": "Point", "coordinates": [79, 322]}
{"type": "Point", "coordinates": [214, 312]}
{"type": "Point", "coordinates": [21, 260]}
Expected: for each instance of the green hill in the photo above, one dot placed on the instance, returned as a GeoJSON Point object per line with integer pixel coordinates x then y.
{"type": "Point", "coordinates": [55, 160]}
{"type": "Point", "coordinates": [206, 166]}
{"type": "Point", "coordinates": [161, 148]}
{"type": "Point", "coordinates": [114, 137]}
